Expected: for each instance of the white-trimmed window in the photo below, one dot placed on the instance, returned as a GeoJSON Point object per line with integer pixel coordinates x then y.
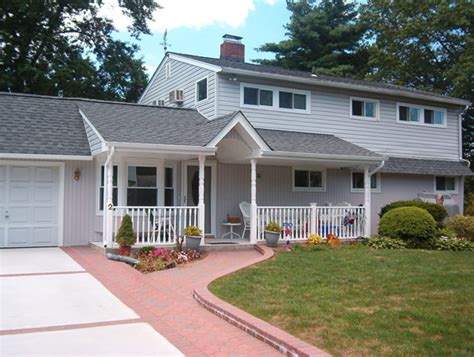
{"type": "Point", "coordinates": [309, 179]}
{"type": "Point", "coordinates": [142, 187]}
{"type": "Point", "coordinates": [357, 182]}
{"type": "Point", "coordinates": [102, 187]}
{"type": "Point", "coordinates": [274, 98]}
{"type": "Point", "coordinates": [363, 108]}
{"type": "Point", "coordinates": [168, 70]}
{"type": "Point", "coordinates": [445, 184]}
{"type": "Point", "coordinates": [421, 115]}
{"type": "Point", "coordinates": [169, 187]}
{"type": "Point", "coordinates": [201, 90]}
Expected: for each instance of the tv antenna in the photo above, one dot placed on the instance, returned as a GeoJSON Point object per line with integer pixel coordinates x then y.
{"type": "Point", "coordinates": [165, 42]}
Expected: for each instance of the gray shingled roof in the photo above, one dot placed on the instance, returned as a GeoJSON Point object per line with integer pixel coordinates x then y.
{"type": "Point", "coordinates": [279, 140]}
{"type": "Point", "coordinates": [146, 124]}
{"type": "Point", "coordinates": [41, 125]}
{"type": "Point", "coordinates": [426, 167]}
{"type": "Point", "coordinates": [318, 79]}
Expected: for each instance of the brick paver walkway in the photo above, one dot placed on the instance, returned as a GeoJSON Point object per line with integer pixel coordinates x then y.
{"type": "Point", "coordinates": [164, 300]}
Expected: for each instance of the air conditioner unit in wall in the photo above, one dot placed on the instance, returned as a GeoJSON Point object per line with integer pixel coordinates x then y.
{"type": "Point", "coordinates": [177, 96]}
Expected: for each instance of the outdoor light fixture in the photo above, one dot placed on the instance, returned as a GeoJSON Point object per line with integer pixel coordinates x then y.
{"type": "Point", "coordinates": [77, 174]}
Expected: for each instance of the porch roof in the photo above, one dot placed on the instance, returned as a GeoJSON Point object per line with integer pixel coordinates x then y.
{"type": "Point", "coordinates": [403, 165]}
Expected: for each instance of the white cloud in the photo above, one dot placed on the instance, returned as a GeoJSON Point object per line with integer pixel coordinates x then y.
{"type": "Point", "coordinates": [149, 69]}
{"type": "Point", "coordinates": [188, 13]}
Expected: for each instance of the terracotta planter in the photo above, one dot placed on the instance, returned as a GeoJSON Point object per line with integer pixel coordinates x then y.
{"type": "Point", "coordinates": [193, 242]}
{"type": "Point", "coordinates": [271, 238]}
{"type": "Point", "coordinates": [125, 250]}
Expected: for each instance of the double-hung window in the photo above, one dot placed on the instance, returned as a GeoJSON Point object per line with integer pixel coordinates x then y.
{"type": "Point", "coordinates": [445, 184]}
{"type": "Point", "coordinates": [201, 90]}
{"type": "Point", "coordinates": [309, 180]}
{"type": "Point", "coordinates": [275, 98]}
{"type": "Point", "coordinates": [357, 182]}
{"type": "Point", "coordinates": [114, 187]}
{"type": "Point", "coordinates": [362, 108]}
{"type": "Point", "coordinates": [142, 187]}
{"type": "Point", "coordinates": [408, 113]}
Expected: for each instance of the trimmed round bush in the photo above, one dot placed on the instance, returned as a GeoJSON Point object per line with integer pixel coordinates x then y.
{"type": "Point", "coordinates": [463, 226]}
{"type": "Point", "coordinates": [438, 212]}
{"type": "Point", "coordinates": [413, 225]}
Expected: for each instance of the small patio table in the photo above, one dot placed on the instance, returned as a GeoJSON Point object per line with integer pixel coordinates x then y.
{"type": "Point", "coordinates": [231, 232]}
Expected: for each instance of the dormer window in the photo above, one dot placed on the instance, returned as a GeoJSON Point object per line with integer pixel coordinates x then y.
{"type": "Point", "coordinates": [421, 115]}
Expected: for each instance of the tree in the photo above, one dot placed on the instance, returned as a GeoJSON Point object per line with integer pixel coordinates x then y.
{"type": "Point", "coordinates": [63, 47]}
{"type": "Point", "coordinates": [322, 37]}
{"type": "Point", "coordinates": [426, 45]}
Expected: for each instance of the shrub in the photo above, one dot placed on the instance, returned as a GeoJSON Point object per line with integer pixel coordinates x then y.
{"type": "Point", "coordinates": [146, 250]}
{"type": "Point", "coordinates": [469, 205]}
{"type": "Point", "coordinates": [273, 227]}
{"type": "Point", "coordinates": [192, 231]}
{"type": "Point", "coordinates": [438, 212]}
{"type": "Point", "coordinates": [445, 232]}
{"type": "Point", "coordinates": [125, 235]}
{"type": "Point", "coordinates": [453, 244]}
{"type": "Point", "coordinates": [386, 243]}
{"type": "Point", "coordinates": [315, 239]}
{"type": "Point", "coordinates": [412, 224]}
{"type": "Point", "coordinates": [334, 241]}
{"type": "Point", "coordinates": [463, 226]}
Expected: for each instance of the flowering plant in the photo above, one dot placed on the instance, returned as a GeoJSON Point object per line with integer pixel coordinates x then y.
{"type": "Point", "coordinates": [334, 241]}
{"type": "Point", "coordinates": [314, 239]}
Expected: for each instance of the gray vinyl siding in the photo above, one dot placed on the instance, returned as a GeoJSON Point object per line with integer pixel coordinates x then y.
{"type": "Point", "coordinates": [79, 203]}
{"type": "Point", "coordinates": [330, 114]}
{"type": "Point", "coordinates": [95, 142]}
{"type": "Point", "coordinates": [183, 76]}
{"type": "Point", "coordinates": [274, 188]}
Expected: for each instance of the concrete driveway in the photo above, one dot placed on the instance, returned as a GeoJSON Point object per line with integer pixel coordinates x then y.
{"type": "Point", "coordinates": [49, 305]}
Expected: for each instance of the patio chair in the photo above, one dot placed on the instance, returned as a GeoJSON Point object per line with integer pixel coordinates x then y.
{"type": "Point", "coordinates": [163, 224]}
{"type": "Point", "coordinates": [245, 209]}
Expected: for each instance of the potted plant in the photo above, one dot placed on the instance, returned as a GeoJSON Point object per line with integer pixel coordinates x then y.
{"type": "Point", "coordinates": [192, 237]}
{"type": "Point", "coordinates": [272, 234]}
{"type": "Point", "coordinates": [125, 236]}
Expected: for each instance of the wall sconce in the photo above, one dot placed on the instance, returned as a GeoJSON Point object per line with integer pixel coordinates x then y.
{"type": "Point", "coordinates": [232, 78]}
{"type": "Point", "coordinates": [77, 174]}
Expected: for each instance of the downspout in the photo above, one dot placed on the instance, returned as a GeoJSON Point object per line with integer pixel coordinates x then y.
{"type": "Point", "coordinates": [374, 171]}
{"type": "Point", "coordinates": [105, 208]}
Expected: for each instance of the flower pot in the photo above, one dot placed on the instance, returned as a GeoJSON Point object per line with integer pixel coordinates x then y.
{"type": "Point", "coordinates": [193, 242]}
{"type": "Point", "coordinates": [272, 238]}
{"type": "Point", "coordinates": [125, 250]}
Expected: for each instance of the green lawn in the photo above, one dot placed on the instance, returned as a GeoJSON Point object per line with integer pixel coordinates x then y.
{"type": "Point", "coordinates": [363, 302]}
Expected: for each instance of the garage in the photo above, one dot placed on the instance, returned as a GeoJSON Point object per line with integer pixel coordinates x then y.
{"type": "Point", "coordinates": [29, 205]}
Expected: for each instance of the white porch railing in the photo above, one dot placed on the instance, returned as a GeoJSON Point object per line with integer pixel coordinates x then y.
{"type": "Point", "coordinates": [156, 225]}
{"type": "Point", "coordinates": [345, 222]}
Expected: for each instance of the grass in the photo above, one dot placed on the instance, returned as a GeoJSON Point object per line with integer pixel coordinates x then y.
{"type": "Point", "coordinates": [357, 301]}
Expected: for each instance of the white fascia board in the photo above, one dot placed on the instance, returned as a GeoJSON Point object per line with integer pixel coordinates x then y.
{"type": "Point", "coordinates": [45, 157]}
{"type": "Point", "coordinates": [195, 62]}
{"type": "Point", "coordinates": [163, 148]}
{"type": "Point", "coordinates": [240, 118]}
{"type": "Point", "coordinates": [364, 88]}
{"type": "Point", "coordinates": [285, 155]}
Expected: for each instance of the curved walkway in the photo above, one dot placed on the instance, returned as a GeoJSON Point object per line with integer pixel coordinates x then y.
{"type": "Point", "coordinates": [165, 301]}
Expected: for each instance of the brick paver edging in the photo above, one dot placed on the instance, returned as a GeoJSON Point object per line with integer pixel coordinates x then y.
{"type": "Point", "coordinates": [263, 331]}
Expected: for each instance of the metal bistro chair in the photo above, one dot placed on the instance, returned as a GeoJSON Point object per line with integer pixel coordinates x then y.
{"type": "Point", "coordinates": [245, 209]}
{"type": "Point", "coordinates": [163, 224]}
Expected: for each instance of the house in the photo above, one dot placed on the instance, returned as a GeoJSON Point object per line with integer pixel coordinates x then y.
{"type": "Point", "coordinates": [317, 154]}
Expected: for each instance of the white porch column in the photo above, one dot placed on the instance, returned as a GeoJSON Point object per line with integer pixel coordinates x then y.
{"type": "Point", "coordinates": [161, 182]}
{"type": "Point", "coordinates": [253, 201]}
{"type": "Point", "coordinates": [201, 206]}
{"type": "Point", "coordinates": [367, 202]}
{"type": "Point", "coordinates": [312, 224]}
{"type": "Point", "coordinates": [108, 208]}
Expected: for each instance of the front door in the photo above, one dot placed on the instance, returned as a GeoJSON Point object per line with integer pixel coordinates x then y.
{"type": "Point", "coordinates": [191, 191]}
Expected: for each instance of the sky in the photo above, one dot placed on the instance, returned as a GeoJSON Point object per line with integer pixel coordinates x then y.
{"type": "Point", "coordinates": [196, 26]}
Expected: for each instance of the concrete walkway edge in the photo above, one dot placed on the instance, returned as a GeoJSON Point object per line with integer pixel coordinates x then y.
{"type": "Point", "coordinates": [263, 331]}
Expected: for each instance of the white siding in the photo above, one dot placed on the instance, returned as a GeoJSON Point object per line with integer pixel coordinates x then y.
{"type": "Point", "coordinates": [79, 203]}
{"type": "Point", "coordinates": [330, 115]}
{"type": "Point", "coordinates": [183, 76]}
{"type": "Point", "coordinates": [274, 188]}
{"type": "Point", "coordinates": [95, 142]}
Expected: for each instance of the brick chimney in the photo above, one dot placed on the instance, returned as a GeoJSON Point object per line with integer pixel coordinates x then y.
{"type": "Point", "coordinates": [232, 48]}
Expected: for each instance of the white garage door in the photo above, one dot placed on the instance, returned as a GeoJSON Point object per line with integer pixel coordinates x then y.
{"type": "Point", "coordinates": [29, 206]}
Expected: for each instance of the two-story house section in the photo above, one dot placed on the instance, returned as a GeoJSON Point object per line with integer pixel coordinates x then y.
{"type": "Point", "coordinates": [417, 132]}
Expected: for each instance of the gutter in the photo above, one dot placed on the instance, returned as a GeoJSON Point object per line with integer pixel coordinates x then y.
{"type": "Point", "coordinates": [171, 149]}
{"type": "Point", "coordinates": [322, 157]}
{"type": "Point", "coordinates": [325, 83]}
{"type": "Point", "coordinates": [374, 171]}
